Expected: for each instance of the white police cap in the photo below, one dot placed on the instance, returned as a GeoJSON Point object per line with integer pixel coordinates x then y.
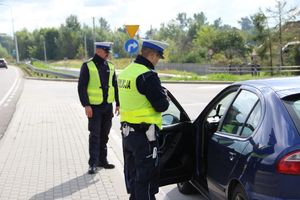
{"type": "Point", "coordinates": [104, 45]}
{"type": "Point", "coordinates": [156, 45]}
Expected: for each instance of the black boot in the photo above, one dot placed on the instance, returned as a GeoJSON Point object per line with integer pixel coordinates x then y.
{"type": "Point", "coordinates": [106, 165]}
{"type": "Point", "coordinates": [92, 170]}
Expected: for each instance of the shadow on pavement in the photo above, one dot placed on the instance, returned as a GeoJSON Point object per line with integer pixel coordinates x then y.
{"type": "Point", "coordinates": [67, 188]}
{"type": "Point", "coordinates": [174, 194]}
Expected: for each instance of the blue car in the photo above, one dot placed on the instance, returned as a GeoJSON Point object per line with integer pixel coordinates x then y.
{"type": "Point", "coordinates": [244, 145]}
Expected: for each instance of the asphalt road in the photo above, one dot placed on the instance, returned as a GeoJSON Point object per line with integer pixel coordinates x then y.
{"type": "Point", "coordinates": [10, 89]}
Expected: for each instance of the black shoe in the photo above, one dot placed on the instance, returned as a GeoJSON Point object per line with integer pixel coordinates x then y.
{"type": "Point", "coordinates": [106, 165]}
{"type": "Point", "coordinates": [92, 170]}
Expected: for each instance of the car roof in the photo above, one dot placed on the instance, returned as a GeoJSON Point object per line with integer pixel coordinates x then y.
{"type": "Point", "coordinates": [282, 86]}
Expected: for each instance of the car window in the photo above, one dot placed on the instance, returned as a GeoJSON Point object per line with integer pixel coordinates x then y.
{"type": "Point", "coordinates": [214, 116]}
{"type": "Point", "coordinates": [293, 105]}
{"type": "Point", "coordinates": [238, 112]}
{"type": "Point", "coordinates": [252, 121]}
{"type": "Point", "coordinates": [218, 111]}
{"type": "Point", "coordinates": [171, 116]}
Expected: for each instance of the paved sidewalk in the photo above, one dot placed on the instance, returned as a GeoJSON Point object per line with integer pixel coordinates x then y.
{"type": "Point", "coordinates": [44, 151]}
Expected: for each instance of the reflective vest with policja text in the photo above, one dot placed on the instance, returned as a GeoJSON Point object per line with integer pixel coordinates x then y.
{"type": "Point", "coordinates": [135, 107]}
{"type": "Point", "coordinates": [94, 89]}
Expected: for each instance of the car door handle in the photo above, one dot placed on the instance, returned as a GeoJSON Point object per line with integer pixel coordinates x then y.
{"type": "Point", "coordinates": [231, 156]}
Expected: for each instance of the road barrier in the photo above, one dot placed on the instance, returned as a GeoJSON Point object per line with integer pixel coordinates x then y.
{"type": "Point", "coordinates": [60, 74]}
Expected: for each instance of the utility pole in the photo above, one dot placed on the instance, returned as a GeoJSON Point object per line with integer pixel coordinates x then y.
{"type": "Point", "coordinates": [13, 32]}
{"type": "Point", "coordinates": [85, 47]}
{"type": "Point", "coordinates": [17, 49]}
{"type": "Point", "coordinates": [45, 52]}
{"type": "Point", "coordinates": [14, 36]}
{"type": "Point", "coordinates": [94, 35]}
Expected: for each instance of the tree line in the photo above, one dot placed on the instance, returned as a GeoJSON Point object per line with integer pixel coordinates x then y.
{"type": "Point", "coordinates": [191, 39]}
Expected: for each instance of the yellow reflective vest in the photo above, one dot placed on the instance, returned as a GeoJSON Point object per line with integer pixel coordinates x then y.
{"type": "Point", "coordinates": [94, 89]}
{"type": "Point", "coordinates": [135, 107]}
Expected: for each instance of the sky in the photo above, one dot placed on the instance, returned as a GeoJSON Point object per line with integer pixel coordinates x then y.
{"type": "Point", "coordinates": [36, 14]}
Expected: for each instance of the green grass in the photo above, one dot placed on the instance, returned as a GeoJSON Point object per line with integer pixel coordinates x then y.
{"type": "Point", "coordinates": [67, 63]}
{"type": "Point", "coordinates": [218, 77]}
{"type": "Point", "coordinates": [30, 73]}
{"type": "Point", "coordinates": [41, 65]}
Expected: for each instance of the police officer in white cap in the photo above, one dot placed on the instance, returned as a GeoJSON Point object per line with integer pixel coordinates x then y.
{"type": "Point", "coordinates": [142, 100]}
{"type": "Point", "coordinates": [97, 89]}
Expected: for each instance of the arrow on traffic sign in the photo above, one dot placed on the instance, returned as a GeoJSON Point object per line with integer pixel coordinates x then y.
{"type": "Point", "coordinates": [131, 47]}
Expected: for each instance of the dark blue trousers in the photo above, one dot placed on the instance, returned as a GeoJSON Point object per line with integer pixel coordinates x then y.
{"type": "Point", "coordinates": [99, 127]}
{"type": "Point", "coordinates": [140, 169]}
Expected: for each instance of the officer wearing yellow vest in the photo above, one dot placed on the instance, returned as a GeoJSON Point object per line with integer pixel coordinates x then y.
{"type": "Point", "coordinates": [142, 100]}
{"type": "Point", "coordinates": [97, 89]}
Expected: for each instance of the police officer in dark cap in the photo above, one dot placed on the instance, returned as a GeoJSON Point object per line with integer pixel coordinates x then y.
{"type": "Point", "coordinates": [97, 89]}
{"type": "Point", "coordinates": [142, 100]}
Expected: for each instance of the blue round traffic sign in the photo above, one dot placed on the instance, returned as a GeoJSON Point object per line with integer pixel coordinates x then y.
{"type": "Point", "coordinates": [131, 46]}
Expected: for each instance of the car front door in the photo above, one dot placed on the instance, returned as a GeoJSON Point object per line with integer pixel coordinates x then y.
{"type": "Point", "coordinates": [227, 144]}
{"type": "Point", "coordinates": [177, 145]}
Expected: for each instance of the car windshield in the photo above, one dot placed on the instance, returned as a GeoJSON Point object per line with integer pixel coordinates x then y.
{"type": "Point", "coordinates": [293, 105]}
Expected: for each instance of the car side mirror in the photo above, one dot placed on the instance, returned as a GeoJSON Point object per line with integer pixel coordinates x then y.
{"type": "Point", "coordinates": [168, 119]}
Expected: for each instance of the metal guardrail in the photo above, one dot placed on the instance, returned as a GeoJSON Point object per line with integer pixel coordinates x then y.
{"type": "Point", "coordinates": [64, 74]}
{"type": "Point", "coordinates": [253, 69]}
{"type": "Point", "coordinates": [204, 69]}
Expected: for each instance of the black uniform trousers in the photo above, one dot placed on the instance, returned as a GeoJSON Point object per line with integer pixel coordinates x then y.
{"type": "Point", "coordinates": [140, 168]}
{"type": "Point", "coordinates": [99, 127]}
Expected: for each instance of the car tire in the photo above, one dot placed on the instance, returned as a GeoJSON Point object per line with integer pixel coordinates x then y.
{"type": "Point", "coordinates": [239, 193]}
{"type": "Point", "coordinates": [186, 188]}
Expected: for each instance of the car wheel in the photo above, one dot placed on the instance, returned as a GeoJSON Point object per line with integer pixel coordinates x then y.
{"type": "Point", "coordinates": [186, 188]}
{"type": "Point", "coordinates": [239, 193]}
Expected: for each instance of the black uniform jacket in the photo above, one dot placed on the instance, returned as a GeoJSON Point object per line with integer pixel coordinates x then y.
{"type": "Point", "coordinates": [149, 85]}
{"type": "Point", "coordinates": [103, 71]}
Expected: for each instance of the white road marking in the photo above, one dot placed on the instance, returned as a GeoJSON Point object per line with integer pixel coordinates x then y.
{"type": "Point", "coordinates": [212, 86]}
{"type": "Point", "coordinates": [11, 88]}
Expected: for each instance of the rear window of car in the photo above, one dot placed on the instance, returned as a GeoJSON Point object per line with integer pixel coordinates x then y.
{"type": "Point", "coordinates": [292, 103]}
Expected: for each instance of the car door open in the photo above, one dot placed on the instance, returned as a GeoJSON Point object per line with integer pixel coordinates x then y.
{"type": "Point", "coordinates": [177, 145]}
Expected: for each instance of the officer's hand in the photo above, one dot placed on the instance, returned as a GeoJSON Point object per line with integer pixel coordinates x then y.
{"type": "Point", "coordinates": [117, 110]}
{"type": "Point", "coordinates": [88, 111]}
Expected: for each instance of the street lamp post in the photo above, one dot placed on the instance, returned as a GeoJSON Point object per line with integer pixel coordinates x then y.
{"type": "Point", "coordinates": [45, 51]}
{"type": "Point", "coordinates": [13, 32]}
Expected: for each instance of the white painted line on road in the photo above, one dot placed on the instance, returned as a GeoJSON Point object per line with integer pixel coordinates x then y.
{"type": "Point", "coordinates": [212, 86]}
{"type": "Point", "coordinates": [11, 88]}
